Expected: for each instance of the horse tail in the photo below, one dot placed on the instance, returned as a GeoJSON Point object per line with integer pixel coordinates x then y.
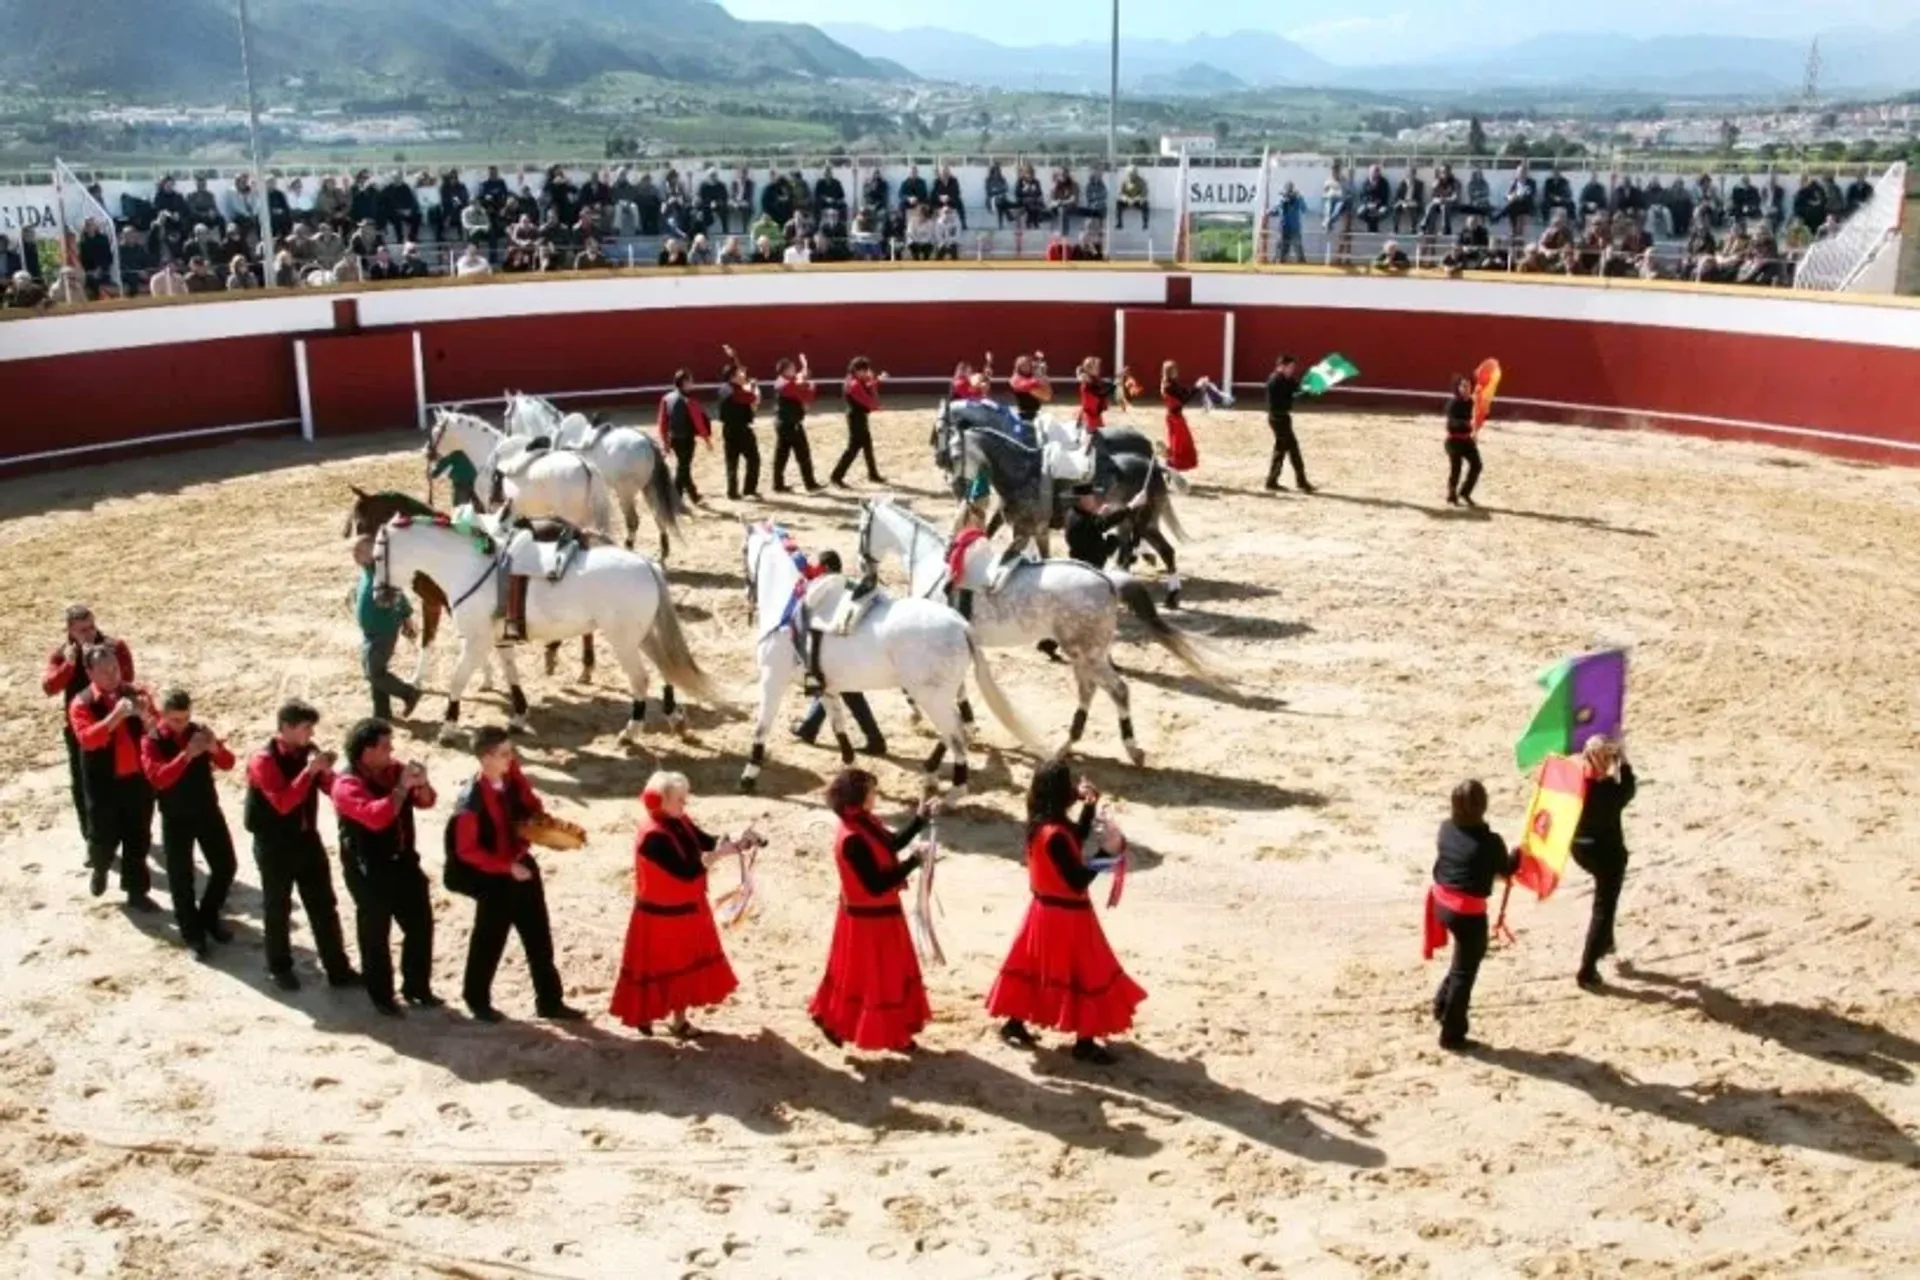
{"type": "Point", "coordinates": [996, 700]}
{"type": "Point", "coordinates": [1176, 483]}
{"type": "Point", "coordinates": [1163, 508]}
{"type": "Point", "coordinates": [1185, 648]}
{"type": "Point", "coordinates": [670, 649]}
{"type": "Point", "coordinates": [663, 500]}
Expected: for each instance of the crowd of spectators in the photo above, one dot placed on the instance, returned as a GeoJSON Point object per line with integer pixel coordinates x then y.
{"type": "Point", "coordinates": [1701, 230]}
{"type": "Point", "coordinates": [360, 226]}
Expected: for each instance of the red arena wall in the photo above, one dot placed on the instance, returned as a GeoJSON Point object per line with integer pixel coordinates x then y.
{"type": "Point", "coordinates": [1836, 374]}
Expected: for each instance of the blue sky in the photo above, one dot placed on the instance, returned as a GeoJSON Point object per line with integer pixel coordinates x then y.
{"type": "Point", "coordinates": [1354, 31]}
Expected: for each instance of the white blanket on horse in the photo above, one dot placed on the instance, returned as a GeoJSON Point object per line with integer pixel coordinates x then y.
{"type": "Point", "coordinates": [831, 605]}
{"type": "Point", "coordinates": [1063, 463]}
{"type": "Point", "coordinates": [525, 556]}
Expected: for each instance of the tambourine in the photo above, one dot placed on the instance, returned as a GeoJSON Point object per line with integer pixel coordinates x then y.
{"type": "Point", "coordinates": [550, 832]}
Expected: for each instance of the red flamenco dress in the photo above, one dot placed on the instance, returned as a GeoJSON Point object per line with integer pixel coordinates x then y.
{"type": "Point", "coordinates": [673, 960]}
{"type": "Point", "coordinates": [1061, 973]}
{"type": "Point", "coordinates": [1181, 454]}
{"type": "Point", "coordinates": [872, 996]}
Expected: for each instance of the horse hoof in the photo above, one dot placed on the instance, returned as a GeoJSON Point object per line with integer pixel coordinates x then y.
{"type": "Point", "coordinates": [749, 785]}
{"type": "Point", "coordinates": [1136, 755]}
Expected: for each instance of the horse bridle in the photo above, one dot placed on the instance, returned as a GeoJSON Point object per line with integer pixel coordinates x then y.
{"type": "Point", "coordinates": [913, 543]}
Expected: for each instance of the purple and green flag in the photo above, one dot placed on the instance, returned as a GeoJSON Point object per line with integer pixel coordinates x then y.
{"type": "Point", "coordinates": [1586, 698]}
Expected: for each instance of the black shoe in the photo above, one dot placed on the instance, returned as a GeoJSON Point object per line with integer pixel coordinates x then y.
{"type": "Point", "coordinates": [343, 978]}
{"type": "Point", "coordinates": [875, 747]}
{"type": "Point", "coordinates": [1093, 1051]}
{"type": "Point", "coordinates": [879, 480]}
{"type": "Point", "coordinates": [751, 494]}
{"type": "Point", "coordinates": [1588, 981]}
{"type": "Point", "coordinates": [1461, 1044]}
{"type": "Point", "coordinates": [285, 979]}
{"type": "Point", "coordinates": [1453, 500]}
{"type": "Point", "coordinates": [813, 686]}
{"type": "Point", "coordinates": [98, 884]}
{"type": "Point", "coordinates": [839, 482]}
{"type": "Point", "coordinates": [1052, 649]}
{"type": "Point", "coordinates": [201, 949]}
{"type": "Point", "coordinates": [781, 488]}
{"type": "Point", "coordinates": [1308, 488]}
{"type": "Point", "coordinates": [816, 488]}
{"type": "Point", "coordinates": [831, 1038]}
{"type": "Point", "coordinates": [801, 734]}
{"type": "Point", "coordinates": [1274, 486]}
{"type": "Point", "coordinates": [1016, 1034]}
{"type": "Point", "coordinates": [408, 703]}
{"type": "Point", "coordinates": [1172, 602]}
{"type": "Point", "coordinates": [563, 1013]}
{"type": "Point", "coordinates": [143, 903]}
{"type": "Point", "coordinates": [485, 1013]}
{"type": "Point", "coordinates": [1469, 501]}
{"type": "Point", "coordinates": [425, 1000]}
{"type": "Point", "coordinates": [389, 1009]}
{"type": "Point", "coordinates": [219, 932]}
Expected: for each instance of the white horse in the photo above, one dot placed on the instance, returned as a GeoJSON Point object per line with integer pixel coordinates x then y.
{"type": "Point", "coordinates": [619, 593]}
{"type": "Point", "coordinates": [628, 457]}
{"type": "Point", "coordinates": [533, 482]}
{"type": "Point", "coordinates": [920, 646]}
{"type": "Point", "coordinates": [1066, 601]}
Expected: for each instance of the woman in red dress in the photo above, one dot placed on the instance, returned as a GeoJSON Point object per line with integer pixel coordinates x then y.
{"type": "Point", "coordinates": [872, 996]}
{"type": "Point", "coordinates": [673, 960]}
{"type": "Point", "coordinates": [1061, 973]}
{"type": "Point", "coordinates": [1096, 394]}
{"type": "Point", "coordinates": [1181, 455]}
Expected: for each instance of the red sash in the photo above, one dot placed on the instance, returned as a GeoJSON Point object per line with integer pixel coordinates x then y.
{"type": "Point", "coordinates": [957, 554]}
{"type": "Point", "coordinates": [1461, 904]}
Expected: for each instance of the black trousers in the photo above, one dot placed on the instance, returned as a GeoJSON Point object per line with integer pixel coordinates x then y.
{"type": "Point", "coordinates": [791, 442]}
{"type": "Point", "coordinates": [77, 783]}
{"type": "Point", "coordinates": [1456, 989]}
{"type": "Point", "coordinates": [121, 822]}
{"type": "Point", "coordinates": [741, 446]}
{"type": "Point", "coordinates": [300, 865]}
{"type": "Point", "coordinates": [856, 705]}
{"type": "Point", "coordinates": [1462, 453]}
{"type": "Point", "coordinates": [383, 896]}
{"type": "Point", "coordinates": [1609, 873]}
{"type": "Point", "coordinates": [1286, 447]}
{"type": "Point", "coordinates": [683, 468]}
{"type": "Point", "coordinates": [505, 906]}
{"type": "Point", "coordinates": [178, 836]}
{"type": "Point", "coordinates": [859, 444]}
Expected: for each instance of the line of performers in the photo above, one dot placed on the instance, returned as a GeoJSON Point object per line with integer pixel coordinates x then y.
{"type": "Point", "coordinates": [130, 752]}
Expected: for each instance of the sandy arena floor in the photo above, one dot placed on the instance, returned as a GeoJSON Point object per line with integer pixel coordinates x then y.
{"type": "Point", "coordinates": [1740, 1104]}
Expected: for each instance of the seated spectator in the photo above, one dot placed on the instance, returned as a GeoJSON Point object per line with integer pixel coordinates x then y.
{"type": "Point", "coordinates": [1761, 265]}
{"type": "Point", "coordinates": [1594, 197]}
{"type": "Point", "coordinates": [596, 199]}
{"type": "Point", "coordinates": [330, 205]}
{"type": "Point", "coordinates": [1798, 236]}
{"type": "Point", "coordinates": [519, 261]}
{"type": "Point", "coordinates": [559, 196]}
{"type": "Point", "coordinates": [553, 231]}
{"type": "Point", "coordinates": [551, 260]}
{"type": "Point", "coordinates": [25, 293]}
{"type": "Point", "coordinates": [1707, 196]}
{"type": "Point", "coordinates": [1829, 229]}
{"type": "Point", "coordinates": [167, 282]}
{"type": "Point", "coordinates": [833, 225]}
{"type": "Point", "coordinates": [1479, 196]}
{"type": "Point", "coordinates": [1063, 202]}
{"type": "Point", "coordinates": [1647, 266]}
{"type": "Point", "coordinates": [626, 201]}
{"type": "Point", "coordinates": [1093, 200]}
{"type": "Point", "coordinates": [327, 247]}
{"type": "Point", "coordinates": [919, 232]}
{"type": "Point", "coordinates": [69, 288]}
{"type": "Point", "coordinates": [1336, 200]}
{"type": "Point", "coordinates": [1057, 248]}
{"type": "Point", "coordinates": [349, 270]}
{"type": "Point", "coordinates": [10, 259]}
{"type": "Point", "coordinates": [798, 254]}
{"type": "Point", "coordinates": [1392, 259]}
{"type": "Point", "coordinates": [1744, 202]}
{"type": "Point", "coordinates": [1133, 195]}
{"type": "Point", "coordinates": [523, 234]}
{"type": "Point", "coordinates": [1776, 202]}
{"type": "Point", "coordinates": [96, 254]}
{"type": "Point", "coordinates": [825, 250]}
{"type": "Point", "coordinates": [798, 227]}
{"type": "Point", "coordinates": [590, 258]}
{"type": "Point", "coordinates": [200, 278]}
{"type": "Point", "coordinates": [802, 196]}
{"type": "Point", "coordinates": [1836, 199]}
{"type": "Point", "coordinates": [382, 266]}
{"type": "Point", "coordinates": [730, 254]}
{"type": "Point", "coordinates": [673, 253]}
{"type": "Point", "coordinates": [365, 241]}
{"type": "Point", "coordinates": [136, 257]}
{"type": "Point", "coordinates": [1410, 201]}
{"type": "Point", "coordinates": [1091, 247]}
{"type": "Point", "coordinates": [996, 189]}
{"type": "Point", "coordinates": [450, 215]}
{"type": "Point", "coordinates": [1859, 191]}
{"type": "Point", "coordinates": [286, 275]}
{"type": "Point", "coordinates": [202, 206]}
{"type": "Point", "coordinates": [476, 225]}
{"type": "Point", "coordinates": [913, 189]}
{"type": "Point", "coordinates": [203, 240]}
{"type": "Point", "coordinates": [714, 207]}
{"type": "Point", "coordinates": [648, 203]}
{"type": "Point", "coordinates": [829, 194]}
{"type": "Point", "coordinates": [1659, 210]}
{"type": "Point", "coordinates": [1566, 262]}
{"type": "Point", "coordinates": [1376, 199]}
{"type": "Point", "coordinates": [168, 200]}
{"type": "Point", "coordinates": [865, 238]}
{"type": "Point", "coordinates": [874, 193]}
{"type": "Point", "coordinates": [234, 242]}
{"type": "Point", "coordinates": [1810, 202]}
{"type": "Point", "coordinates": [1558, 234]}
{"type": "Point", "coordinates": [1474, 242]}
{"type": "Point", "coordinates": [472, 262]}
{"type": "Point", "coordinates": [412, 265]}
{"type": "Point", "coordinates": [946, 193]}
{"type": "Point", "coordinates": [241, 209]}
{"type": "Point", "coordinates": [766, 228]}
{"type": "Point", "coordinates": [763, 252]}
{"type": "Point", "coordinates": [1522, 201]}
{"type": "Point", "coordinates": [893, 231]}
{"type": "Point", "coordinates": [742, 194]}
{"type": "Point", "coordinates": [947, 226]}
{"type": "Point", "coordinates": [673, 185]}
{"type": "Point", "coordinates": [1446, 199]}
{"type": "Point", "coordinates": [399, 209]}
{"type": "Point", "coordinates": [699, 253]}
{"type": "Point", "coordinates": [1028, 196]}
{"type": "Point", "coordinates": [240, 275]}
{"type": "Point", "coordinates": [1557, 193]}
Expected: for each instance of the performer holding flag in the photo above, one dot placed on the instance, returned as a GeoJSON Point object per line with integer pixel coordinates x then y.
{"type": "Point", "coordinates": [1600, 847]}
{"type": "Point", "coordinates": [1471, 857]}
{"type": "Point", "coordinates": [872, 995]}
{"type": "Point", "coordinates": [1061, 973]}
{"type": "Point", "coordinates": [1463, 449]}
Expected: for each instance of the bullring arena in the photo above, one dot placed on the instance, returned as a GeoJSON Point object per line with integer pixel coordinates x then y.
{"type": "Point", "coordinates": [1739, 1101]}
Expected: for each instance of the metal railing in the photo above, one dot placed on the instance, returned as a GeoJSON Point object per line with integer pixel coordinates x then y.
{"type": "Point", "coordinates": [1836, 263]}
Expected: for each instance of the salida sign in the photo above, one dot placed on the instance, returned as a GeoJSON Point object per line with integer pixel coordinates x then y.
{"type": "Point", "coordinates": [1209, 194]}
{"type": "Point", "coordinates": [28, 209]}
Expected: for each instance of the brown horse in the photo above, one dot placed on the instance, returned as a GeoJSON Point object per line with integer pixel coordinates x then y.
{"type": "Point", "coordinates": [370, 511]}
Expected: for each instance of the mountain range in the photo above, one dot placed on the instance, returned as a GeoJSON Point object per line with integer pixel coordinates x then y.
{"type": "Point", "coordinates": [1852, 61]}
{"type": "Point", "coordinates": [190, 48]}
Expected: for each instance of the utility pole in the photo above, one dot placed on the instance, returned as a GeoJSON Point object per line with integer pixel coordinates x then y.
{"type": "Point", "coordinates": [1811, 89]}
{"type": "Point", "coordinates": [1113, 131]}
{"type": "Point", "coordinates": [253, 134]}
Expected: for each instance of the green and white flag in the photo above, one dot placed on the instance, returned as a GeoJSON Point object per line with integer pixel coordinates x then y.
{"type": "Point", "coordinates": [1328, 374]}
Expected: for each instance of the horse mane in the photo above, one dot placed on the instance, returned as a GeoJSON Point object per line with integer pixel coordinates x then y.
{"type": "Point", "coordinates": [403, 503]}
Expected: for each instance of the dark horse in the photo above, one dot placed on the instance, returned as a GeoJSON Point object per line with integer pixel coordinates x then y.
{"type": "Point", "coordinates": [371, 510]}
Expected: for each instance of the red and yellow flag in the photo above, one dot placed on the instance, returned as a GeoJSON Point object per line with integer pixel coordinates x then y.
{"type": "Point", "coordinates": [1559, 794]}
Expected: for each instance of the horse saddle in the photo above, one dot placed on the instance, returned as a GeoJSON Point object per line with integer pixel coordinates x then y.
{"type": "Point", "coordinates": [601, 425]}
{"type": "Point", "coordinates": [524, 554]}
{"type": "Point", "coordinates": [1075, 466]}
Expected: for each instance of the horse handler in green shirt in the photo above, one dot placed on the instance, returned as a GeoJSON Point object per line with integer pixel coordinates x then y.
{"type": "Point", "coordinates": [459, 469]}
{"type": "Point", "coordinates": [382, 623]}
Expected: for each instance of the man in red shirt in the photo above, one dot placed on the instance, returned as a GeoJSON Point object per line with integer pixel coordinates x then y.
{"type": "Point", "coordinates": [285, 780]}
{"type": "Point", "coordinates": [179, 757]}
{"type": "Point", "coordinates": [794, 390]}
{"type": "Point", "coordinates": [108, 718]}
{"type": "Point", "coordinates": [375, 799]}
{"type": "Point", "coordinates": [489, 861]}
{"type": "Point", "coordinates": [65, 676]}
{"type": "Point", "coordinates": [863, 400]}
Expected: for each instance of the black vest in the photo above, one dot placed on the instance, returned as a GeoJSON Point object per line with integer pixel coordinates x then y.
{"type": "Point", "coordinates": [461, 876]}
{"type": "Point", "coordinates": [194, 793]}
{"type": "Point", "coordinates": [78, 679]}
{"type": "Point", "coordinates": [98, 766]}
{"type": "Point", "coordinates": [270, 825]}
{"type": "Point", "coordinates": [372, 849]}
